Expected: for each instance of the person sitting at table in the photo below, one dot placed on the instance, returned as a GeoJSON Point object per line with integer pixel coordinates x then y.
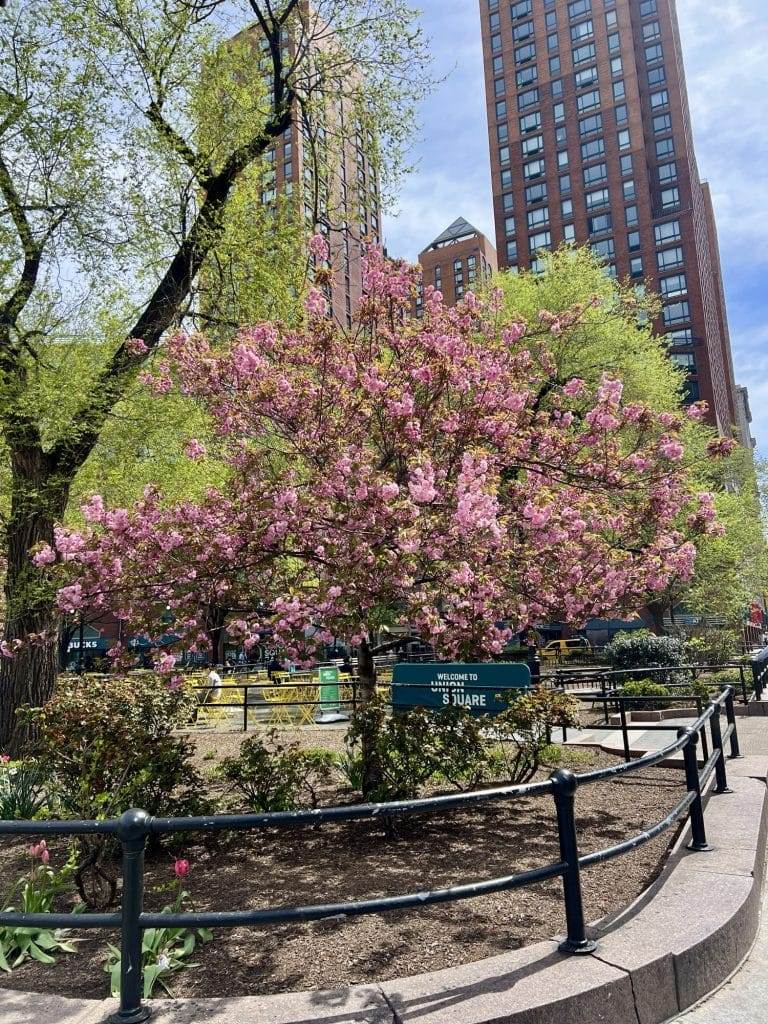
{"type": "Point", "coordinates": [274, 666]}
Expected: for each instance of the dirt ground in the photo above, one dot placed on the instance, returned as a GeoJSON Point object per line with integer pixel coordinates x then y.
{"type": "Point", "coordinates": [357, 860]}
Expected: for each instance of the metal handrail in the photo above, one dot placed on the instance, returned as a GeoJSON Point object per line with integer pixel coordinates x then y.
{"type": "Point", "coordinates": [135, 826]}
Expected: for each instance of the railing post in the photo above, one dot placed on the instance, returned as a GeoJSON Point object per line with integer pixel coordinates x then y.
{"type": "Point", "coordinates": [576, 941]}
{"type": "Point", "coordinates": [245, 708]}
{"type": "Point", "coordinates": [698, 841]}
{"type": "Point", "coordinates": [717, 744]}
{"type": "Point", "coordinates": [757, 675]}
{"type": "Point", "coordinates": [132, 834]}
{"type": "Point", "coordinates": [744, 694]}
{"type": "Point", "coordinates": [730, 715]}
{"type": "Point", "coordinates": [624, 730]}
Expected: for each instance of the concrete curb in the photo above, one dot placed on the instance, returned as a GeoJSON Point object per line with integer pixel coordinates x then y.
{"type": "Point", "coordinates": [680, 940]}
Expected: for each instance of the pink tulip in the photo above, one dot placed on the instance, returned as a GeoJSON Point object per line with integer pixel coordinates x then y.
{"type": "Point", "coordinates": [45, 856]}
{"type": "Point", "coordinates": [5, 758]}
{"type": "Point", "coordinates": [181, 868]}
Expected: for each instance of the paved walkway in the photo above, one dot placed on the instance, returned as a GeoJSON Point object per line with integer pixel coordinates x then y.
{"type": "Point", "coordinates": [744, 999]}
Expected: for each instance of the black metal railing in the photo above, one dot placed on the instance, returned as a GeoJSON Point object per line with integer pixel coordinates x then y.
{"type": "Point", "coordinates": [606, 679]}
{"type": "Point", "coordinates": [135, 827]}
{"type": "Point", "coordinates": [760, 672]}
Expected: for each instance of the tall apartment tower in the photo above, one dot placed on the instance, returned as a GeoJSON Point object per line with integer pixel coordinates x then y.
{"type": "Point", "coordinates": [327, 169]}
{"type": "Point", "coordinates": [591, 142]}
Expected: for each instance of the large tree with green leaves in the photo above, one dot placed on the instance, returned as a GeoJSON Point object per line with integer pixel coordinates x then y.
{"type": "Point", "coordinates": [126, 127]}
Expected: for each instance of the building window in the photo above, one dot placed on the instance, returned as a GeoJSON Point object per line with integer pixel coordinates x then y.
{"type": "Point", "coordinates": [633, 241]}
{"type": "Point", "coordinates": [493, 20]}
{"type": "Point", "coordinates": [665, 148]}
{"type": "Point", "coordinates": [525, 53]}
{"type": "Point", "coordinates": [656, 76]}
{"type": "Point", "coordinates": [554, 65]}
{"type": "Point", "coordinates": [595, 174]}
{"type": "Point", "coordinates": [582, 31]}
{"type": "Point", "coordinates": [502, 132]}
{"type": "Point", "coordinates": [610, 19]}
{"type": "Point", "coordinates": [583, 79]}
{"type": "Point", "coordinates": [618, 90]}
{"type": "Point", "coordinates": [682, 337]}
{"type": "Point", "coordinates": [558, 112]}
{"type": "Point", "coordinates": [667, 172]}
{"type": "Point", "coordinates": [667, 259]}
{"type": "Point", "coordinates": [569, 233]}
{"type": "Point", "coordinates": [522, 31]}
{"type": "Point", "coordinates": [519, 10]}
{"type": "Point", "coordinates": [670, 198]}
{"type": "Point", "coordinates": [532, 145]}
{"type": "Point", "coordinates": [536, 193]}
{"type": "Point", "coordinates": [533, 169]}
{"type": "Point", "coordinates": [659, 99]}
{"type": "Point", "coordinates": [588, 101]}
{"type": "Point", "coordinates": [501, 109]}
{"type": "Point", "coordinates": [623, 138]}
{"type": "Point", "coordinates": [651, 31]}
{"type": "Point", "coordinates": [605, 249]}
{"type": "Point", "coordinates": [527, 99]}
{"type": "Point", "coordinates": [552, 43]}
{"type": "Point", "coordinates": [530, 122]}
{"type": "Point", "coordinates": [506, 179]}
{"type": "Point", "coordinates": [636, 266]}
{"type": "Point", "coordinates": [538, 216]}
{"type": "Point", "coordinates": [526, 76]}
{"type": "Point", "coordinates": [616, 66]}
{"type": "Point", "coordinates": [686, 360]}
{"type": "Point", "coordinates": [561, 136]}
{"type": "Point", "coordinates": [566, 207]}
{"type": "Point", "coordinates": [676, 313]}
{"type": "Point", "coordinates": [625, 164]}
{"type": "Point", "coordinates": [647, 8]}
{"type": "Point", "coordinates": [592, 149]}
{"type": "Point", "coordinates": [662, 123]}
{"type": "Point", "coordinates": [583, 53]}
{"type": "Point", "coordinates": [562, 158]}
{"type": "Point", "coordinates": [550, 20]}
{"type": "Point", "coordinates": [669, 232]}
{"type": "Point", "coordinates": [672, 287]}
{"type": "Point", "coordinates": [594, 200]}
{"type": "Point", "coordinates": [599, 224]}
{"type": "Point", "coordinates": [509, 225]}
{"type": "Point", "coordinates": [579, 7]}
{"type": "Point", "coordinates": [614, 42]}
{"type": "Point", "coordinates": [504, 155]}
{"type": "Point", "coordinates": [541, 240]}
{"type": "Point", "coordinates": [511, 251]}
{"type": "Point", "coordinates": [557, 88]}
{"type": "Point", "coordinates": [508, 201]}
{"type": "Point", "coordinates": [498, 65]}
{"type": "Point", "coordinates": [621, 113]}
{"type": "Point", "coordinates": [631, 217]}
{"type": "Point", "coordinates": [496, 43]}
{"type": "Point", "coordinates": [587, 125]}
{"type": "Point", "coordinates": [565, 184]}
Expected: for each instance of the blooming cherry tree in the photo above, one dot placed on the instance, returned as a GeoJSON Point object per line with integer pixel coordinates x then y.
{"type": "Point", "coordinates": [432, 473]}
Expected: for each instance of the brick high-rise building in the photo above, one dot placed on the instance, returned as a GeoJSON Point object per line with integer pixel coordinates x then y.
{"type": "Point", "coordinates": [458, 260]}
{"type": "Point", "coordinates": [591, 142]}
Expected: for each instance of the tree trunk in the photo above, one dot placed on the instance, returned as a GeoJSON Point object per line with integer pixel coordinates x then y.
{"type": "Point", "coordinates": [38, 499]}
{"type": "Point", "coordinates": [366, 692]}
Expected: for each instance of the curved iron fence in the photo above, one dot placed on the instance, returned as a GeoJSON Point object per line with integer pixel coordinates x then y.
{"type": "Point", "coordinates": [134, 827]}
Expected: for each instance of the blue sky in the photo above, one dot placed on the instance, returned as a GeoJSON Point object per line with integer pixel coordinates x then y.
{"type": "Point", "coordinates": [724, 46]}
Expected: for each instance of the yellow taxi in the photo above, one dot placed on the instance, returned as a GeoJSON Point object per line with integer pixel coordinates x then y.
{"type": "Point", "coordinates": [559, 649]}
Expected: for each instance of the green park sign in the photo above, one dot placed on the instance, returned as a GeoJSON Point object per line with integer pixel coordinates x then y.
{"type": "Point", "coordinates": [434, 685]}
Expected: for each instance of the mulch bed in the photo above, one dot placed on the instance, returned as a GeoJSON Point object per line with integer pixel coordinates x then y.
{"type": "Point", "coordinates": [356, 860]}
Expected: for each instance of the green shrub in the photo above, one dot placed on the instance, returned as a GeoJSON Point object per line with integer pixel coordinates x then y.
{"type": "Point", "coordinates": [643, 649]}
{"type": "Point", "coordinates": [646, 688]}
{"type": "Point", "coordinates": [413, 747]}
{"type": "Point", "coordinates": [713, 647]}
{"type": "Point", "coordinates": [273, 777]}
{"type": "Point", "coordinates": [108, 745]}
{"type": "Point", "coordinates": [523, 731]}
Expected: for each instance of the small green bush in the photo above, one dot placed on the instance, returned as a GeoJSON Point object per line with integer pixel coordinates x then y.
{"type": "Point", "coordinates": [107, 745]}
{"type": "Point", "coordinates": [646, 688]}
{"type": "Point", "coordinates": [524, 729]}
{"type": "Point", "coordinates": [273, 777]}
{"type": "Point", "coordinates": [23, 793]}
{"type": "Point", "coordinates": [713, 647]}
